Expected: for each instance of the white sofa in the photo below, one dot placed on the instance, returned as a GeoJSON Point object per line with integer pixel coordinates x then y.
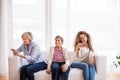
{"type": "Point", "coordinates": [75, 74]}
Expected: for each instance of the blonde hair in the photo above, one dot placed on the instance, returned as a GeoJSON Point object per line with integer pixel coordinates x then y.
{"type": "Point", "coordinates": [77, 40]}
{"type": "Point", "coordinates": [28, 35]}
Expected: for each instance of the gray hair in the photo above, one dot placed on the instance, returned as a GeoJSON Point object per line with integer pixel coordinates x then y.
{"type": "Point", "coordinates": [28, 35]}
{"type": "Point", "coordinates": [58, 36]}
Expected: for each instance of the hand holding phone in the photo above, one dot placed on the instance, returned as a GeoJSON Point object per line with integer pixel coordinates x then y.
{"type": "Point", "coordinates": [14, 51]}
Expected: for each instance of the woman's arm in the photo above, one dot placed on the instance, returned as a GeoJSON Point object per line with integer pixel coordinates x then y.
{"type": "Point", "coordinates": [64, 67]}
{"type": "Point", "coordinates": [67, 57]}
{"type": "Point", "coordinates": [91, 58]}
{"type": "Point", "coordinates": [16, 53]}
{"type": "Point", "coordinates": [33, 54]}
{"type": "Point", "coordinates": [51, 50]}
{"type": "Point", "coordinates": [50, 60]}
{"type": "Point", "coordinates": [21, 55]}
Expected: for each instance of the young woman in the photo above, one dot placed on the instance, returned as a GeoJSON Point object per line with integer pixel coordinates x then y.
{"type": "Point", "coordinates": [82, 57]}
{"type": "Point", "coordinates": [59, 61]}
{"type": "Point", "coordinates": [32, 54]}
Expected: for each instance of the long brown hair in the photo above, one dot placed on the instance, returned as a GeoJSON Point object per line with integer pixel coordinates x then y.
{"type": "Point", "coordinates": [77, 40]}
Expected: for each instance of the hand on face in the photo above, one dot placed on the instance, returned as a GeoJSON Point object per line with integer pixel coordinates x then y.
{"type": "Point", "coordinates": [82, 44]}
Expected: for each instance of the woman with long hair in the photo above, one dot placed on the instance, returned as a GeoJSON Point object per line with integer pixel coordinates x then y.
{"type": "Point", "coordinates": [83, 57]}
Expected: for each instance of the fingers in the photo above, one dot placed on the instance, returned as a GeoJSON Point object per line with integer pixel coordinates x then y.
{"type": "Point", "coordinates": [14, 51]}
{"type": "Point", "coordinates": [48, 71]}
{"type": "Point", "coordinates": [82, 44]}
{"type": "Point", "coordinates": [64, 67]}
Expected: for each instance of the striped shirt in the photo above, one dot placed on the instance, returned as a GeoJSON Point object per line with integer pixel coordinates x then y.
{"type": "Point", "coordinates": [58, 56]}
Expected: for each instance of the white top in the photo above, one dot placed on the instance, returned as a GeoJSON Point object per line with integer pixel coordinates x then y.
{"type": "Point", "coordinates": [83, 55]}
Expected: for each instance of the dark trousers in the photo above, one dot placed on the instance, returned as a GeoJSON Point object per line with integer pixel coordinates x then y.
{"type": "Point", "coordinates": [27, 71]}
{"type": "Point", "coordinates": [57, 71]}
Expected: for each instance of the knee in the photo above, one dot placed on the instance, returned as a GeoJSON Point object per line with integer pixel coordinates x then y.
{"type": "Point", "coordinates": [72, 65]}
{"type": "Point", "coordinates": [68, 69]}
{"type": "Point", "coordinates": [28, 70]}
{"type": "Point", "coordinates": [85, 66]}
{"type": "Point", "coordinates": [23, 68]}
{"type": "Point", "coordinates": [55, 67]}
{"type": "Point", "coordinates": [92, 68]}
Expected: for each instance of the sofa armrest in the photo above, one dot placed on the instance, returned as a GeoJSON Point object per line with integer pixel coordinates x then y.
{"type": "Point", "coordinates": [101, 63]}
{"type": "Point", "coordinates": [13, 67]}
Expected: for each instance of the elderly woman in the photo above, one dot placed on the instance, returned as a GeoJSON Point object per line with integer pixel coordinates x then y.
{"type": "Point", "coordinates": [59, 61]}
{"type": "Point", "coordinates": [32, 54]}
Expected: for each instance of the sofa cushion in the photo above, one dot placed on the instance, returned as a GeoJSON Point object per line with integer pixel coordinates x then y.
{"type": "Point", "coordinates": [74, 74]}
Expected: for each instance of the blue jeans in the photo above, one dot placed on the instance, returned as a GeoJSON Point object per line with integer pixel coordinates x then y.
{"type": "Point", "coordinates": [92, 72]}
{"type": "Point", "coordinates": [27, 71]}
{"type": "Point", "coordinates": [88, 70]}
{"type": "Point", "coordinates": [56, 71]}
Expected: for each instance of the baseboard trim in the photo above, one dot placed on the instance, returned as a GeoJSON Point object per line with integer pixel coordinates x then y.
{"type": "Point", "coordinates": [4, 75]}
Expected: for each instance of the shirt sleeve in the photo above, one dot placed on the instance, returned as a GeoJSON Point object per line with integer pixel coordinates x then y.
{"type": "Point", "coordinates": [50, 57]}
{"type": "Point", "coordinates": [20, 48]}
{"type": "Point", "coordinates": [33, 55]}
{"type": "Point", "coordinates": [67, 58]}
{"type": "Point", "coordinates": [73, 57]}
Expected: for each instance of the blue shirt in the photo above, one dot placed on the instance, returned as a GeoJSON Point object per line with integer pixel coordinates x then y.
{"type": "Point", "coordinates": [32, 53]}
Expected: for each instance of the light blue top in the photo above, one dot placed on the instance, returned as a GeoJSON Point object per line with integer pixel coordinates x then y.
{"type": "Point", "coordinates": [32, 53]}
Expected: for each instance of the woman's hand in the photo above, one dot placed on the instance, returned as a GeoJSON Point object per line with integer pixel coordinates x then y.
{"type": "Point", "coordinates": [64, 67]}
{"type": "Point", "coordinates": [15, 52]}
{"type": "Point", "coordinates": [48, 71]}
{"type": "Point", "coordinates": [91, 59]}
{"type": "Point", "coordinates": [77, 48]}
{"type": "Point", "coordinates": [82, 44]}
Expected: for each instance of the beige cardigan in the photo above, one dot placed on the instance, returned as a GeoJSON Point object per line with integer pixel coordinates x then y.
{"type": "Point", "coordinates": [65, 54]}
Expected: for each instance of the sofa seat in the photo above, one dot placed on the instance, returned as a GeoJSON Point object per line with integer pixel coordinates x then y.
{"type": "Point", "coordinates": [75, 74]}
